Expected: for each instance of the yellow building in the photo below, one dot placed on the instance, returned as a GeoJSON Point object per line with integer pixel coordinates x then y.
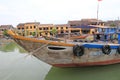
{"type": "Point", "coordinates": [62, 28]}
{"type": "Point", "coordinates": [76, 26]}
{"type": "Point", "coordinates": [44, 29]}
{"type": "Point", "coordinates": [28, 29]}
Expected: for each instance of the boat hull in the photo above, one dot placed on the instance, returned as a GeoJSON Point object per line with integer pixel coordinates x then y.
{"type": "Point", "coordinates": [63, 56]}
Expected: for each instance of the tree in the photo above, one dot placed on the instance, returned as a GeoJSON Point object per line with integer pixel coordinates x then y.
{"type": "Point", "coordinates": [112, 25]}
{"type": "Point", "coordinates": [5, 33]}
{"type": "Point", "coordinates": [53, 31]}
{"type": "Point", "coordinates": [33, 33]}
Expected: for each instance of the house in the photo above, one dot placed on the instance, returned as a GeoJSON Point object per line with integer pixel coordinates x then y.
{"type": "Point", "coordinates": [3, 28]}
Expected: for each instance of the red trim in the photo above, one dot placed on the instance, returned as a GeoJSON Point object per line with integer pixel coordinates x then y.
{"type": "Point", "coordinates": [87, 63]}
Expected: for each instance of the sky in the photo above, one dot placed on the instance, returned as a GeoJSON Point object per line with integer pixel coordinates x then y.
{"type": "Point", "coordinates": [56, 11]}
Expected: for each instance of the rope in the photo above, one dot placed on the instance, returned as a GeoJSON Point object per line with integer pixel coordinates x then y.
{"type": "Point", "coordinates": [31, 53]}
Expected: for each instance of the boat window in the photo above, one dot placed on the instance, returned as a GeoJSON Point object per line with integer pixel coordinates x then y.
{"type": "Point", "coordinates": [56, 48]}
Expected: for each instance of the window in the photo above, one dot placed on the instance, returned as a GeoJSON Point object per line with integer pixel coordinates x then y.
{"type": "Point", "coordinates": [56, 27]}
{"type": "Point", "coordinates": [40, 28]}
{"type": "Point", "coordinates": [62, 31]}
{"type": "Point", "coordinates": [61, 27]}
{"type": "Point", "coordinates": [85, 31]}
{"type": "Point", "coordinates": [66, 27]}
{"type": "Point", "coordinates": [34, 26]}
{"type": "Point", "coordinates": [73, 25]}
{"type": "Point", "coordinates": [43, 28]}
{"type": "Point", "coordinates": [66, 31]}
{"type": "Point", "coordinates": [46, 33]}
{"type": "Point", "coordinates": [51, 28]}
{"type": "Point", "coordinates": [26, 27]}
{"type": "Point", "coordinates": [47, 28]}
{"type": "Point", "coordinates": [30, 27]}
{"type": "Point", "coordinates": [30, 33]}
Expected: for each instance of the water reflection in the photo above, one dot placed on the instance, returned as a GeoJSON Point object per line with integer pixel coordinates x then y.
{"type": "Point", "coordinates": [110, 72]}
{"type": "Point", "coordinates": [17, 66]}
{"type": "Point", "coordinates": [9, 47]}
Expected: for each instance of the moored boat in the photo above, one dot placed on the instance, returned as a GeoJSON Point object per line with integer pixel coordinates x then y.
{"type": "Point", "coordinates": [70, 54]}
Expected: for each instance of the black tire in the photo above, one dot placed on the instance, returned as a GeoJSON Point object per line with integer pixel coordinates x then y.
{"type": "Point", "coordinates": [118, 49]}
{"type": "Point", "coordinates": [78, 50]}
{"type": "Point", "coordinates": [106, 49]}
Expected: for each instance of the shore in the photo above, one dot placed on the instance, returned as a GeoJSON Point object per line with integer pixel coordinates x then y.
{"type": "Point", "coordinates": [5, 41]}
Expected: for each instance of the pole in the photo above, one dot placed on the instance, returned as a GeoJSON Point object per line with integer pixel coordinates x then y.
{"type": "Point", "coordinates": [97, 9]}
{"type": "Point", "coordinates": [97, 13]}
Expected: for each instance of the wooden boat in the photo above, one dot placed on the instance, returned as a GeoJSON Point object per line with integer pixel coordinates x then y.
{"type": "Point", "coordinates": [52, 38]}
{"type": "Point", "coordinates": [62, 39]}
{"type": "Point", "coordinates": [70, 54]}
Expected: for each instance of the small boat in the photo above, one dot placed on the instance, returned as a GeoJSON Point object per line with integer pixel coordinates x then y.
{"type": "Point", "coordinates": [71, 54]}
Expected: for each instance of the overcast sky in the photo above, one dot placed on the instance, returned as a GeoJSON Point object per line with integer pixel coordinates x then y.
{"type": "Point", "coordinates": [56, 11]}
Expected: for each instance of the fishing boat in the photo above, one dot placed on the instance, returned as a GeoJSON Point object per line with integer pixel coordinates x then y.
{"type": "Point", "coordinates": [71, 54]}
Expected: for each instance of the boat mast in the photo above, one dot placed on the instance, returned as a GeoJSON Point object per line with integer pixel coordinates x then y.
{"type": "Point", "coordinates": [98, 11]}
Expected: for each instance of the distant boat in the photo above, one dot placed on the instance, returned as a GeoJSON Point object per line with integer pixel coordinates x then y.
{"type": "Point", "coordinates": [70, 54]}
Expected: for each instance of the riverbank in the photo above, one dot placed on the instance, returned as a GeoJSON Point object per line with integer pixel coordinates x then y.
{"type": "Point", "coordinates": [8, 45]}
{"type": "Point", "coordinates": [5, 41]}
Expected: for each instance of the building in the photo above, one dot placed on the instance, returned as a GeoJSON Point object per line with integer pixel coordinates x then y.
{"type": "Point", "coordinates": [62, 28]}
{"type": "Point", "coordinates": [84, 26]}
{"type": "Point", "coordinates": [111, 23]}
{"type": "Point", "coordinates": [3, 28]}
{"type": "Point", "coordinates": [26, 29]}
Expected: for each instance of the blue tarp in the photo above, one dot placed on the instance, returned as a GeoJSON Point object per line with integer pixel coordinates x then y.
{"type": "Point", "coordinates": [99, 46]}
{"type": "Point", "coordinates": [84, 26]}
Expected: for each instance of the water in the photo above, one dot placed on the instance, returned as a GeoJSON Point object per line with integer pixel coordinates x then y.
{"type": "Point", "coordinates": [111, 72]}
{"type": "Point", "coordinates": [17, 65]}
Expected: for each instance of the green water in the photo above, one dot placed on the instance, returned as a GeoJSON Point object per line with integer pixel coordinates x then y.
{"type": "Point", "coordinates": [17, 66]}
{"type": "Point", "coordinates": [11, 46]}
{"type": "Point", "coordinates": [111, 72]}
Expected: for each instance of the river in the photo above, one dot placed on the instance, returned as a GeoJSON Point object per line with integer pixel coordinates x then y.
{"type": "Point", "coordinates": [16, 64]}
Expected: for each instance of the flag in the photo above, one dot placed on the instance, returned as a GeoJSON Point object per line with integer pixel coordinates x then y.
{"type": "Point", "coordinates": [99, 0]}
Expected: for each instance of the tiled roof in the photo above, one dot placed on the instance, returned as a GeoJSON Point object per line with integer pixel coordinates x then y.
{"type": "Point", "coordinates": [32, 23]}
{"type": "Point", "coordinates": [6, 26]}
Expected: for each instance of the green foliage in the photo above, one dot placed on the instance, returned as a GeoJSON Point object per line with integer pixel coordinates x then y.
{"type": "Point", "coordinates": [5, 33]}
{"type": "Point", "coordinates": [112, 25]}
{"type": "Point", "coordinates": [53, 31]}
{"type": "Point", "coordinates": [33, 34]}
